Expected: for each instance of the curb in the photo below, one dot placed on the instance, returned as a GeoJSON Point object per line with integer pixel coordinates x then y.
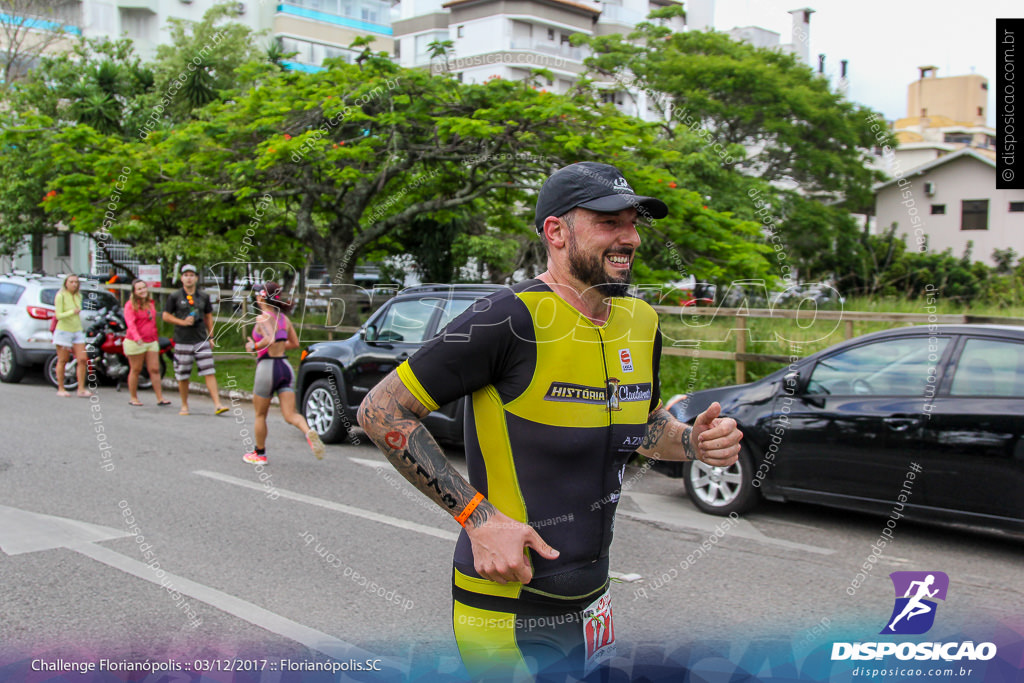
{"type": "Point", "coordinates": [200, 388]}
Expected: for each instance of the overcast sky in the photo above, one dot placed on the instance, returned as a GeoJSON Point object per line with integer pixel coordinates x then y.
{"type": "Point", "coordinates": [885, 41]}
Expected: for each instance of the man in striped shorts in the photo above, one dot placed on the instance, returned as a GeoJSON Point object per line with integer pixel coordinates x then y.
{"type": "Point", "coordinates": [191, 313]}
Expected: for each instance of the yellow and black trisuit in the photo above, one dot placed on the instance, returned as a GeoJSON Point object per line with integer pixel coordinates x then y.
{"type": "Point", "coordinates": [557, 406]}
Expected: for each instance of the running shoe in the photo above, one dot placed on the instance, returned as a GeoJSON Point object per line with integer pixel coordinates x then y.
{"type": "Point", "coordinates": [255, 458]}
{"type": "Point", "coordinates": [315, 444]}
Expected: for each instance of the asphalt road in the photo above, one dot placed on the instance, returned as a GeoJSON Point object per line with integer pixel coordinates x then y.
{"type": "Point", "coordinates": [271, 564]}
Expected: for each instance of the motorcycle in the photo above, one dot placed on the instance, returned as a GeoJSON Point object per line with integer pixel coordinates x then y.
{"type": "Point", "coordinates": [104, 346]}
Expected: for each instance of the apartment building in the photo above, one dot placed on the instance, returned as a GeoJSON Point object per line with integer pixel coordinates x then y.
{"type": "Point", "coordinates": [944, 115]}
{"type": "Point", "coordinates": [508, 38]}
{"type": "Point", "coordinates": [800, 42]}
{"type": "Point", "coordinates": [314, 29]}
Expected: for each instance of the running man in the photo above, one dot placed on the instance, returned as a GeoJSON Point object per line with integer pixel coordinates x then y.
{"type": "Point", "coordinates": [562, 371]}
{"type": "Point", "coordinates": [914, 606]}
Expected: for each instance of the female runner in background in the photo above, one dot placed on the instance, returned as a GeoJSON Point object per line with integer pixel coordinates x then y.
{"type": "Point", "coordinates": [272, 336]}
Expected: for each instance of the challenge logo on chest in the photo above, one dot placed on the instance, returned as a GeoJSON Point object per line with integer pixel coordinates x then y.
{"type": "Point", "coordinates": [612, 394]}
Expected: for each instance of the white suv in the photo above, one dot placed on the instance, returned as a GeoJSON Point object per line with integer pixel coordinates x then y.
{"type": "Point", "coordinates": [26, 309]}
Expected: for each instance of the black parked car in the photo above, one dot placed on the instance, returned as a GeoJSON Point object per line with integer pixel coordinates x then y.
{"type": "Point", "coordinates": [842, 427]}
{"type": "Point", "coordinates": [334, 376]}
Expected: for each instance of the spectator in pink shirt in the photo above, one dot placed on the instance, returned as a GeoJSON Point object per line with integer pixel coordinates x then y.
{"type": "Point", "coordinates": [141, 343]}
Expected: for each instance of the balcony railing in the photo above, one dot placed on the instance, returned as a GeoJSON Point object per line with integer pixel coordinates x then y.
{"type": "Point", "coordinates": [621, 15]}
{"type": "Point", "coordinates": [374, 14]}
{"type": "Point", "coordinates": [549, 48]}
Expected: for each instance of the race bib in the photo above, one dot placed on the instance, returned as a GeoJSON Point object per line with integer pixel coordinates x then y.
{"type": "Point", "coordinates": [598, 632]}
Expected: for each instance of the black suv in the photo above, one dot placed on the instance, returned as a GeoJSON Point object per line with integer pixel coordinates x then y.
{"type": "Point", "coordinates": [334, 376]}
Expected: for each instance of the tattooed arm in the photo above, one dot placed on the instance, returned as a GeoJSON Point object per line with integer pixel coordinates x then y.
{"type": "Point", "coordinates": [391, 416]}
{"type": "Point", "coordinates": [713, 440]}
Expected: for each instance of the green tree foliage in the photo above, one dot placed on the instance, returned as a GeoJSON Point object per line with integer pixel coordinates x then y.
{"type": "Point", "coordinates": [98, 83]}
{"type": "Point", "coordinates": [774, 126]}
{"type": "Point", "coordinates": [204, 59]}
{"type": "Point", "coordinates": [887, 268]}
{"type": "Point", "coordinates": [334, 165]}
{"type": "Point", "coordinates": [68, 121]}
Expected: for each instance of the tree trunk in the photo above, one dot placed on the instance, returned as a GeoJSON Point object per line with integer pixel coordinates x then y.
{"type": "Point", "coordinates": [346, 300]}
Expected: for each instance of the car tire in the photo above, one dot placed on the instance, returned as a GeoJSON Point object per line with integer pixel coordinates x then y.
{"type": "Point", "coordinates": [70, 373]}
{"type": "Point", "coordinates": [325, 412]}
{"type": "Point", "coordinates": [10, 371]}
{"type": "Point", "coordinates": [722, 490]}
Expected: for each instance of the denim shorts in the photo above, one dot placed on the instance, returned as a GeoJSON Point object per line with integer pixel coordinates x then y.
{"type": "Point", "coordinates": [65, 338]}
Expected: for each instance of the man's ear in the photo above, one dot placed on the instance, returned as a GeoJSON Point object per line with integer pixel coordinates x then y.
{"type": "Point", "coordinates": [556, 232]}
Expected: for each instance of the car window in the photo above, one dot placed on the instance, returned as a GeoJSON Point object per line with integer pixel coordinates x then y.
{"type": "Point", "coordinates": [453, 308]}
{"type": "Point", "coordinates": [406, 321]}
{"type": "Point", "coordinates": [48, 296]}
{"type": "Point", "coordinates": [893, 367]}
{"type": "Point", "coordinates": [988, 367]}
{"type": "Point", "coordinates": [10, 293]}
{"type": "Point", "coordinates": [94, 300]}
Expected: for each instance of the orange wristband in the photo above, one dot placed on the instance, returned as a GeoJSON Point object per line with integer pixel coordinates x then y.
{"type": "Point", "coordinates": [468, 510]}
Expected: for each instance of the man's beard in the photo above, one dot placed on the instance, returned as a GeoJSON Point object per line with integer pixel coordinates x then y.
{"type": "Point", "coordinates": [590, 270]}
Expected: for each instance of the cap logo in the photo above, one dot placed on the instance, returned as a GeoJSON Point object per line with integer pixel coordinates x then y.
{"type": "Point", "coordinates": [620, 185]}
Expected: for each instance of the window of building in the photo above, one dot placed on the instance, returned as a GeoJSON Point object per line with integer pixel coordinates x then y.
{"type": "Point", "coordinates": [422, 43]}
{"type": "Point", "coordinates": [551, 34]}
{"type": "Point", "coordinates": [938, 209]}
{"type": "Point", "coordinates": [1016, 207]}
{"type": "Point", "coordinates": [974, 214]}
{"type": "Point", "coordinates": [981, 111]}
{"type": "Point", "coordinates": [958, 138]}
{"type": "Point", "coordinates": [64, 245]}
{"type": "Point", "coordinates": [460, 32]}
{"type": "Point", "coordinates": [984, 86]}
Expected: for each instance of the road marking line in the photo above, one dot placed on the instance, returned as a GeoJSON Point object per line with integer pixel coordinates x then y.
{"type": "Point", "coordinates": [357, 512]}
{"type": "Point", "coordinates": [376, 464]}
{"type": "Point", "coordinates": [668, 510]}
{"type": "Point", "coordinates": [22, 532]}
{"type": "Point", "coordinates": [247, 611]}
{"type": "Point", "coordinates": [337, 507]}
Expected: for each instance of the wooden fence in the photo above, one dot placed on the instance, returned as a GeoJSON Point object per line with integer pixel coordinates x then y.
{"type": "Point", "coordinates": [739, 327]}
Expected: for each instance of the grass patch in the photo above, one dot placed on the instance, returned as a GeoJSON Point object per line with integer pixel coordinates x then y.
{"type": "Point", "coordinates": [782, 337]}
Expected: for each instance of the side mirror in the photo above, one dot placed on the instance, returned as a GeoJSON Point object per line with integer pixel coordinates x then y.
{"type": "Point", "coordinates": [369, 333]}
{"type": "Point", "coordinates": [791, 381]}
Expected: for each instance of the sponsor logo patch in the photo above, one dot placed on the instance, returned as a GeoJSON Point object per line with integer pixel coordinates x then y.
{"type": "Point", "coordinates": [626, 359]}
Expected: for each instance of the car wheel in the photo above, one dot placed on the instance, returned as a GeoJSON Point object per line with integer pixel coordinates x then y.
{"type": "Point", "coordinates": [10, 371]}
{"type": "Point", "coordinates": [322, 407]}
{"type": "Point", "coordinates": [70, 373]}
{"type": "Point", "coordinates": [722, 490]}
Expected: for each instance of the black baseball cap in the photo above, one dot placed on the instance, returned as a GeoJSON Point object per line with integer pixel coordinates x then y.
{"type": "Point", "coordinates": [594, 186]}
{"type": "Point", "coordinates": [189, 268]}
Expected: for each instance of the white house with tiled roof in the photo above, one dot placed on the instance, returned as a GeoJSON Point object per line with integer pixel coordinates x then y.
{"type": "Point", "coordinates": [947, 202]}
